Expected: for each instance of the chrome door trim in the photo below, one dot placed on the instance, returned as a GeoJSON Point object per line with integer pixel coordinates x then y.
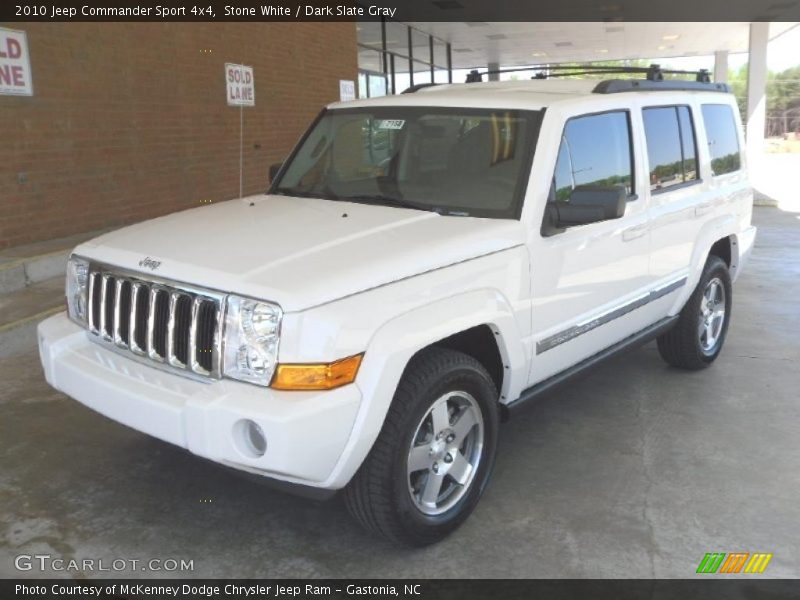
{"type": "Point", "coordinates": [579, 329]}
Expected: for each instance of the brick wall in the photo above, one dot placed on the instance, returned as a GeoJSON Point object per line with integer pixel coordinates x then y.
{"type": "Point", "coordinates": [130, 121]}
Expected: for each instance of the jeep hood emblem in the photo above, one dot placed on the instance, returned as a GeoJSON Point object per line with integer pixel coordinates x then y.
{"type": "Point", "coordinates": [150, 263]}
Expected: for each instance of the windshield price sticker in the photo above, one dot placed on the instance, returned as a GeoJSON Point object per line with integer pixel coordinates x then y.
{"type": "Point", "coordinates": [391, 124]}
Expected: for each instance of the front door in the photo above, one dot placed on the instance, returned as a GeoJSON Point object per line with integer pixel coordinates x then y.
{"type": "Point", "coordinates": [590, 281]}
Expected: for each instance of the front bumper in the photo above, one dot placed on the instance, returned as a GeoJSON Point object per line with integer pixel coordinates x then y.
{"type": "Point", "coordinates": [306, 432]}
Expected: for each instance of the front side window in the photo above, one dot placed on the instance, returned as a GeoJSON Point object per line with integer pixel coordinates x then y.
{"type": "Point", "coordinates": [595, 151]}
{"type": "Point", "coordinates": [671, 147]}
{"type": "Point", "coordinates": [462, 162]}
{"type": "Point", "coordinates": [723, 140]}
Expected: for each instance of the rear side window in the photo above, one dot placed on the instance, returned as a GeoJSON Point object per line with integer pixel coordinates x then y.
{"type": "Point", "coordinates": [723, 141]}
{"type": "Point", "coordinates": [671, 146]}
{"type": "Point", "coordinates": [595, 151]}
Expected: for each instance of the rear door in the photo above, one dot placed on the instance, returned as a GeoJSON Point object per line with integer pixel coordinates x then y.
{"type": "Point", "coordinates": [678, 197]}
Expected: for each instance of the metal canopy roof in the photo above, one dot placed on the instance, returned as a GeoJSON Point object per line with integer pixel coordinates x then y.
{"type": "Point", "coordinates": [515, 44]}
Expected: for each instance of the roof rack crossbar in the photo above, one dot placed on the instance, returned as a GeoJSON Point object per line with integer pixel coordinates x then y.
{"type": "Point", "coordinates": [653, 73]}
{"type": "Point", "coordinates": [653, 80]}
{"type": "Point", "coordinates": [573, 73]}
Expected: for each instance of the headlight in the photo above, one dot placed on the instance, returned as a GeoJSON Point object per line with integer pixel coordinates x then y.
{"type": "Point", "coordinates": [252, 330]}
{"type": "Point", "coordinates": [77, 284]}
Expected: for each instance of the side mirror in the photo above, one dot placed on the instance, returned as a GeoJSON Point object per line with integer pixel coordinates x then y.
{"type": "Point", "coordinates": [273, 170]}
{"type": "Point", "coordinates": [591, 204]}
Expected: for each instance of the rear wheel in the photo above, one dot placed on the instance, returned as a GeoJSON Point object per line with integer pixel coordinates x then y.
{"type": "Point", "coordinates": [698, 336]}
{"type": "Point", "coordinates": [435, 453]}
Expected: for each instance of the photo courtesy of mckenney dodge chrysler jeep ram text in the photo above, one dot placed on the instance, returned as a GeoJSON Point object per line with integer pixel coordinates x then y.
{"type": "Point", "coordinates": [421, 265]}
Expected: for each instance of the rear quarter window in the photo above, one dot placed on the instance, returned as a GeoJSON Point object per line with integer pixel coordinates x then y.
{"type": "Point", "coordinates": [723, 139]}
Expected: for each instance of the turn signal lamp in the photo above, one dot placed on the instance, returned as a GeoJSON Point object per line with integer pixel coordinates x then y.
{"type": "Point", "coordinates": [317, 376]}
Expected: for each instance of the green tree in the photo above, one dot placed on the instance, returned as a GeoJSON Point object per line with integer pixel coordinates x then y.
{"type": "Point", "coordinates": [783, 98]}
{"type": "Point", "coordinates": [636, 62]}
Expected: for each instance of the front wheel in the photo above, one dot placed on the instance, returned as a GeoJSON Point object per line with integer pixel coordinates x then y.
{"type": "Point", "coordinates": [698, 336]}
{"type": "Point", "coordinates": [435, 453]}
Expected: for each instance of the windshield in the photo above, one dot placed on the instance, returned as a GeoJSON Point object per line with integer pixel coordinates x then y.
{"type": "Point", "coordinates": [454, 161]}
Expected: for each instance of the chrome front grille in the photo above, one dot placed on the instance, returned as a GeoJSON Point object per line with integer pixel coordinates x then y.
{"type": "Point", "coordinates": [165, 322]}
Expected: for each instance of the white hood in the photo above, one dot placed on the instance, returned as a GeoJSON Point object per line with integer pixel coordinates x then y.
{"type": "Point", "coordinates": [299, 252]}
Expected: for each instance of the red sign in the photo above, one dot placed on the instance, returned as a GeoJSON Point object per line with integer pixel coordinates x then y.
{"type": "Point", "coordinates": [15, 64]}
{"type": "Point", "coordinates": [240, 85]}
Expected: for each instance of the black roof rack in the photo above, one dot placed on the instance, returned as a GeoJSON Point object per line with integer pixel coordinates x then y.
{"type": "Point", "coordinates": [614, 86]}
{"type": "Point", "coordinates": [416, 87]}
{"type": "Point", "coordinates": [653, 80]}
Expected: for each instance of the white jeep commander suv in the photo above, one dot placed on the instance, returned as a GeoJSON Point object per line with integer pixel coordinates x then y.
{"type": "Point", "coordinates": [421, 265]}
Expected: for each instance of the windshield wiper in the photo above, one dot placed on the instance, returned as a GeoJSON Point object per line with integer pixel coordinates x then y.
{"type": "Point", "coordinates": [402, 203]}
{"type": "Point", "coordinates": [325, 195]}
{"type": "Point", "coordinates": [388, 201]}
{"type": "Point", "coordinates": [378, 199]}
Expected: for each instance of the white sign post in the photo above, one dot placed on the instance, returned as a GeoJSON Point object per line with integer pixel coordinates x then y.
{"type": "Point", "coordinates": [241, 92]}
{"type": "Point", "coordinates": [15, 64]}
{"type": "Point", "coordinates": [240, 85]}
{"type": "Point", "coordinates": [347, 90]}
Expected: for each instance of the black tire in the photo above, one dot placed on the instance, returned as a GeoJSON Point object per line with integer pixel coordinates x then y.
{"type": "Point", "coordinates": [380, 494]}
{"type": "Point", "coordinates": [683, 345]}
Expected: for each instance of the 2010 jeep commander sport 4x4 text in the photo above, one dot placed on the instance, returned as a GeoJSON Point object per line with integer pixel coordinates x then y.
{"type": "Point", "coordinates": [421, 265]}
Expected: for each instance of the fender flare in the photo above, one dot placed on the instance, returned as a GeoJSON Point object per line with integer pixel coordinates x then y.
{"type": "Point", "coordinates": [724, 226]}
{"type": "Point", "coordinates": [394, 344]}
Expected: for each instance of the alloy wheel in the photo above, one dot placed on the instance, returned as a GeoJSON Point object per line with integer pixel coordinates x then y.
{"type": "Point", "coordinates": [445, 452]}
{"type": "Point", "coordinates": [712, 316]}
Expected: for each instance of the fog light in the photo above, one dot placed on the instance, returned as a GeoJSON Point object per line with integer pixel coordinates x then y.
{"type": "Point", "coordinates": [250, 438]}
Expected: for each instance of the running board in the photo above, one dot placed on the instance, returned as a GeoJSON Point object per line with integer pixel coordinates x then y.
{"type": "Point", "coordinates": [556, 381]}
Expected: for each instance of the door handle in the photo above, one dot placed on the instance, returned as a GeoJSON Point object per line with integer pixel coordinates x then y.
{"type": "Point", "coordinates": [702, 209]}
{"type": "Point", "coordinates": [637, 231]}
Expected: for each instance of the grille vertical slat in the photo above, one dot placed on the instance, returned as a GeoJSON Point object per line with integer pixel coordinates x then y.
{"type": "Point", "coordinates": [161, 321]}
{"type": "Point", "coordinates": [122, 308]}
{"type": "Point", "coordinates": [178, 329]}
{"type": "Point", "coordinates": [183, 319]}
{"type": "Point", "coordinates": [151, 326]}
{"type": "Point", "coordinates": [107, 291]}
{"type": "Point", "coordinates": [167, 324]}
{"type": "Point", "coordinates": [124, 312]}
{"type": "Point", "coordinates": [144, 320]}
{"type": "Point", "coordinates": [94, 303]}
{"type": "Point", "coordinates": [205, 341]}
{"type": "Point", "coordinates": [111, 298]}
{"type": "Point", "coordinates": [157, 323]}
{"type": "Point", "coordinates": [171, 358]}
{"type": "Point", "coordinates": [194, 364]}
{"type": "Point", "coordinates": [117, 302]}
{"type": "Point", "coordinates": [140, 318]}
